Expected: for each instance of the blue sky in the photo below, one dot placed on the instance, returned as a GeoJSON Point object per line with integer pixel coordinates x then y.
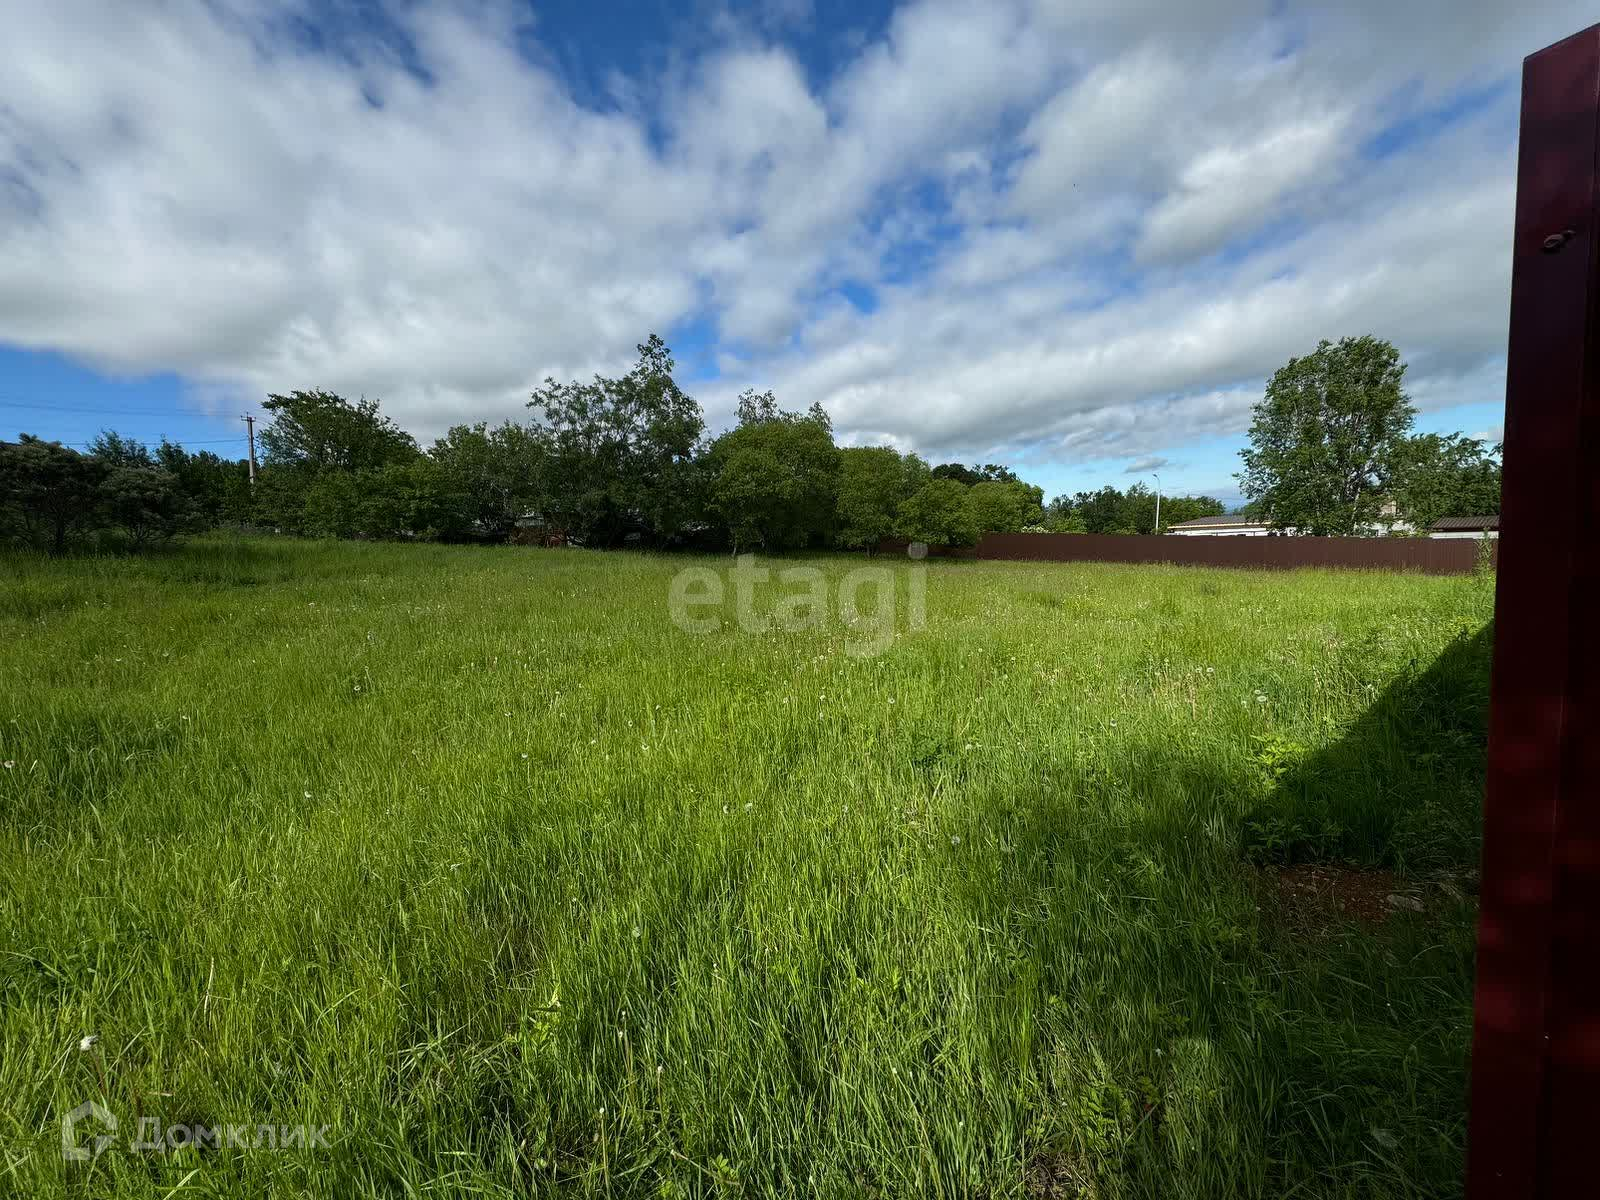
{"type": "Point", "coordinates": [1071, 237]}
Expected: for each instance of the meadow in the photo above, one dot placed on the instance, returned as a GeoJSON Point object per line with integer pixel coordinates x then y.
{"type": "Point", "coordinates": [477, 859]}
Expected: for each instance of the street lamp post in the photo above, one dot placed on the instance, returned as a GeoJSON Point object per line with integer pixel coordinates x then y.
{"type": "Point", "coordinates": [1157, 478]}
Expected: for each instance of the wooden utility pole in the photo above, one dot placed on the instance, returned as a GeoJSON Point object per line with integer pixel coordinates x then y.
{"type": "Point", "coordinates": [250, 428]}
{"type": "Point", "coordinates": [1536, 1040]}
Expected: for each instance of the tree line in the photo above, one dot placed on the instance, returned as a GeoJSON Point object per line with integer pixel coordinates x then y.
{"type": "Point", "coordinates": [604, 463]}
{"type": "Point", "coordinates": [628, 461]}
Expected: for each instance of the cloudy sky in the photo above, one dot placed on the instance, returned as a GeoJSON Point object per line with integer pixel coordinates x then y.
{"type": "Point", "coordinates": [1071, 236]}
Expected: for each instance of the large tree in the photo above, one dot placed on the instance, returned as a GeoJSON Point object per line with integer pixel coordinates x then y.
{"type": "Point", "coordinates": [939, 514]}
{"type": "Point", "coordinates": [144, 502]}
{"type": "Point", "coordinates": [1004, 507]}
{"type": "Point", "coordinates": [1327, 437]}
{"type": "Point", "coordinates": [774, 478]}
{"type": "Point", "coordinates": [873, 482]}
{"type": "Point", "coordinates": [622, 451]}
{"type": "Point", "coordinates": [215, 489]}
{"type": "Point", "coordinates": [137, 494]}
{"type": "Point", "coordinates": [1446, 476]}
{"type": "Point", "coordinates": [48, 492]}
{"type": "Point", "coordinates": [987, 473]}
{"type": "Point", "coordinates": [321, 431]}
{"type": "Point", "coordinates": [502, 472]}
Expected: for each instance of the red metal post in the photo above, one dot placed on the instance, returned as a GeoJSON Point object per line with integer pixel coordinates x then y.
{"type": "Point", "coordinates": [1535, 1109]}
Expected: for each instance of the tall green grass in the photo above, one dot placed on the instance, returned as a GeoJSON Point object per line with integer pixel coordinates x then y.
{"type": "Point", "coordinates": [476, 858]}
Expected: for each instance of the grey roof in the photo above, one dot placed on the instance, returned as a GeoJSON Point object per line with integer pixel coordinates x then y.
{"type": "Point", "coordinates": [1458, 524]}
{"type": "Point", "coordinates": [1233, 519]}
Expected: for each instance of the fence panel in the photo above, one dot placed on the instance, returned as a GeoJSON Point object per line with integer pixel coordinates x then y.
{"type": "Point", "coordinates": [1432, 556]}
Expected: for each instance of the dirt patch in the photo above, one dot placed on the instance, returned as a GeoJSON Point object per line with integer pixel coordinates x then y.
{"type": "Point", "coordinates": [1317, 896]}
{"type": "Point", "coordinates": [1059, 1177]}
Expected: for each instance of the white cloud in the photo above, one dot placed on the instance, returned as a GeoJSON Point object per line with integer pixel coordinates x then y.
{"type": "Point", "coordinates": [1142, 466]}
{"type": "Point", "coordinates": [1231, 188]}
{"type": "Point", "coordinates": [1090, 230]}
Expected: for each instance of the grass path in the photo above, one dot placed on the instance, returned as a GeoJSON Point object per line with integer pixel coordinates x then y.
{"type": "Point", "coordinates": [474, 857]}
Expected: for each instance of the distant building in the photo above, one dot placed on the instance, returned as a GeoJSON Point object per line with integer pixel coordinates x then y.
{"type": "Point", "coordinates": [1388, 523]}
{"type": "Point", "coordinates": [1226, 526]}
{"type": "Point", "coordinates": [1465, 527]}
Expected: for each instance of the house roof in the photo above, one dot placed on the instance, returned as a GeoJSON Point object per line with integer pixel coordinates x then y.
{"type": "Point", "coordinates": [1201, 522]}
{"type": "Point", "coordinates": [1459, 524]}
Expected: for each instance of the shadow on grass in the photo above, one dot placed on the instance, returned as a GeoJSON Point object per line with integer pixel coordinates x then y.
{"type": "Point", "coordinates": [1175, 1036]}
{"type": "Point", "coordinates": [1402, 787]}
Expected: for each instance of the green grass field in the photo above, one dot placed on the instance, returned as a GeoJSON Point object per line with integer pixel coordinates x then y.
{"type": "Point", "coordinates": [474, 857]}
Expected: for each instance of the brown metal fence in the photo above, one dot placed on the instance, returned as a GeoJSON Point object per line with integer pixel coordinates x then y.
{"type": "Point", "coordinates": [1432, 556]}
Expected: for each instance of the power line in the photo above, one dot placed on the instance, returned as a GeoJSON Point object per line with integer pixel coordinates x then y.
{"type": "Point", "coordinates": [107, 412]}
{"type": "Point", "coordinates": [203, 442]}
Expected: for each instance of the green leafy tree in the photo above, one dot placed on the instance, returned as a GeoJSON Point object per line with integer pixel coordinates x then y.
{"type": "Point", "coordinates": [1446, 476]}
{"type": "Point", "coordinates": [215, 489]}
{"type": "Point", "coordinates": [331, 506]}
{"type": "Point", "coordinates": [115, 450]}
{"type": "Point", "coordinates": [748, 496]}
{"type": "Point", "coordinates": [999, 507]}
{"type": "Point", "coordinates": [995, 473]}
{"type": "Point", "coordinates": [414, 499]}
{"type": "Point", "coordinates": [873, 482]}
{"type": "Point", "coordinates": [621, 451]}
{"type": "Point", "coordinates": [774, 478]}
{"type": "Point", "coordinates": [1327, 437]}
{"type": "Point", "coordinates": [321, 431]}
{"type": "Point", "coordinates": [1104, 511]}
{"type": "Point", "coordinates": [1110, 510]}
{"type": "Point", "coordinates": [956, 472]}
{"type": "Point", "coordinates": [138, 494]}
{"type": "Point", "coordinates": [503, 472]}
{"type": "Point", "coordinates": [939, 514]}
{"type": "Point", "coordinates": [401, 500]}
{"type": "Point", "coordinates": [279, 499]}
{"type": "Point", "coordinates": [1064, 521]}
{"type": "Point", "coordinates": [987, 473]}
{"type": "Point", "coordinates": [145, 503]}
{"type": "Point", "coordinates": [48, 493]}
{"type": "Point", "coordinates": [1177, 509]}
